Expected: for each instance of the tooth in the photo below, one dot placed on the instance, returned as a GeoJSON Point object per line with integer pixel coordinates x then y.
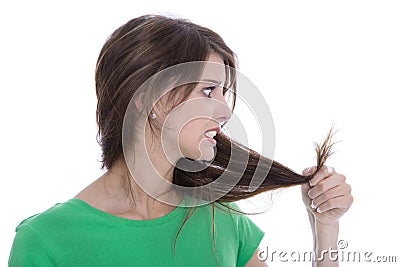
{"type": "Point", "coordinates": [211, 134]}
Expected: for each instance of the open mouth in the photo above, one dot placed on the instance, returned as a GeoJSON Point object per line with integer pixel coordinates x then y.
{"type": "Point", "coordinates": [210, 134]}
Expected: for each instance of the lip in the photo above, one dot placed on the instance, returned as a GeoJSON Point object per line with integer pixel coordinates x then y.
{"type": "Point", "coordinates": [212, 140]}
{"type": "Point", "coordinates": [217, 129]}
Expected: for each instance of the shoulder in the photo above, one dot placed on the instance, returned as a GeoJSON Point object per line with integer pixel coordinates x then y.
{"type": "Point", "coordinates": [232, 210]}
{"type": "Point", "coordinates": [225, 209]}
{"type": "Point", "coordinates": [53, 218]}
{"type": "Point", "coordinates": [30, 245]}
{"type": "Point", "coordinates": [249, 234]}
{"type": "Point", "coordinates": [230, 215]}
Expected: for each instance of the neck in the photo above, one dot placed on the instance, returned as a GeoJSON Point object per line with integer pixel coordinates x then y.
{"type": "Point", "coordinates": [120, 192]}
{"type": "Point", "coordinates": [145, 184]}
{"type": "Point", "coordinates": [140, 190]}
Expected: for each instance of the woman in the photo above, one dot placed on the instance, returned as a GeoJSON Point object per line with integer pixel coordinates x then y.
{"type": "Point", "coordinates": [161, 85]}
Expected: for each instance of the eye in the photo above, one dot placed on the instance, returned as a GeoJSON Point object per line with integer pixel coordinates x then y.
{"type": "Point", "coordinates": [210, 88]}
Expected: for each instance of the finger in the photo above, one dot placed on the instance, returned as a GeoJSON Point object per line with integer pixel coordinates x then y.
{"type": "Point", "coordinates": [305, 188]}
{"type": "Point", "coordinates": [326, 184]}
{"type": "Point", "coordinates": [322, 173]}
{"type": "Point", "coordinates": [335, 192]}
{"type": "Point", "coordinates": [342, 203]}
{"type": "Point", "coordinates": [309, 170]}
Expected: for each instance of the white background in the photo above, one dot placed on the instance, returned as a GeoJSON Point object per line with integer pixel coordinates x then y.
{"type": "Point", "coordinates": [316, 62]}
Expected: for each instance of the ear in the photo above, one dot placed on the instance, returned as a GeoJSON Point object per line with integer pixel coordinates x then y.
{"type": "Point", "coordinates": [139, 101]}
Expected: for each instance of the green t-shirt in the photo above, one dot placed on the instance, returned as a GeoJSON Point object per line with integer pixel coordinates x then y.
{"type": "Point", "coordinates": [76, 234]}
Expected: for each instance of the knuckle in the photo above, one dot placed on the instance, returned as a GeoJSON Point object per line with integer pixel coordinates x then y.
{"type": "Point", "coordinates": [351, 199]}
{"type": "Point", "coordinates": [315, 203]}
{"type": "Point", "coordinates": [324, 169]}
{"type": "Point", "coordinates": [322, 186]}
{"type": "Point", "coordinates": [330, 202]}
{"type": "Point", "coordinates": [349, 188]}
{"type": "Point", "coordinates": [328, 195]}
{"type": "Point", "coordinates": [327, 169]}
{"type": "Point", "coordinates": [314, 180]}
{"type": "Point", "coordinates": [331, 169]}
{"type": "Point", "coordinates": [311, 193]}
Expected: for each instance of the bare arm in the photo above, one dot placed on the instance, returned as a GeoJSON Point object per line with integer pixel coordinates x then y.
{"type": "Point", "coordinates": [326, 236]}
{"type": "Point", "coordinates": [255, 261]}
{"type": "Point", "coordinates": [327, 197]}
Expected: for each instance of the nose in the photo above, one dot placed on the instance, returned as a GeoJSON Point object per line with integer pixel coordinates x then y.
{"type": "Point", "coordinates": [223, 111]}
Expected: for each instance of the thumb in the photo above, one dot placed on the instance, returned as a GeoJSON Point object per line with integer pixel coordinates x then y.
{"type": "Point", "coordinates": [308, 170]}
{"type": "Point", "coordinates": [305, 187]}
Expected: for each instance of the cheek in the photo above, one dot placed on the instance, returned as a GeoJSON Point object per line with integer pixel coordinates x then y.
{"type": "Point", "coordinates": [192, 130]}
{"type": "Point", "coordinates": [193, 143]}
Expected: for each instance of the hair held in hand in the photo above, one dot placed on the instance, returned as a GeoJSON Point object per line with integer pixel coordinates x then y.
{"type": "Point", "coordinates": [275, 174]}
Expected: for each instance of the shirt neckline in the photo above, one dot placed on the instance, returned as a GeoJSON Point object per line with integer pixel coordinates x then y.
{"type": "Point", "coordinates": [130, 222]}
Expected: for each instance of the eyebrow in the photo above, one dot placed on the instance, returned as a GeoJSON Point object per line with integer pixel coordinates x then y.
{"type": "Point", "coordinates": [213, 81]}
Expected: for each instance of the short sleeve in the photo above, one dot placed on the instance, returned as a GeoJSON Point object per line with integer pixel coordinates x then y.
{"type": "Point", "coordinates": [249, 234]}
{"type": "Point", "coordinates": [28, 249]}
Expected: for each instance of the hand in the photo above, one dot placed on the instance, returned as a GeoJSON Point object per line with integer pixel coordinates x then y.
{"type": "Point", "coordinates": [327, 197]}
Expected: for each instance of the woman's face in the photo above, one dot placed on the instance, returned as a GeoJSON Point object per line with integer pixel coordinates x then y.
{"type": "Point", "coordinates": [193, 124]}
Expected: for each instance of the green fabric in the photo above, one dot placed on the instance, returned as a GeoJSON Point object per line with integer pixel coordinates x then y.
{"type": "Point", "coordinates": [76, 234]}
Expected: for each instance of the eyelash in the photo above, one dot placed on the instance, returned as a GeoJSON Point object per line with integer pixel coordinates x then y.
{"type": "Point", "coordinates": [209, 88]}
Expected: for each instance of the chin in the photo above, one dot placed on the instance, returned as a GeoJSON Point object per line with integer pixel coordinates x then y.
{"type": "Point", "coordinates": [205, 151]}
{"type": "Point", "coordinates": [208, 151]}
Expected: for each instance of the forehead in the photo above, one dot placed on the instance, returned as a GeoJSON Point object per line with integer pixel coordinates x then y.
{"type": "Point", "coordinates": [214, 69]}
{"type": "Point", "coordinates": [213, 57]}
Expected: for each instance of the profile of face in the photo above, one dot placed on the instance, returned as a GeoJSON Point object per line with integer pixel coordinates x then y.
{"type": "Point", "coordinates": [189, 129]}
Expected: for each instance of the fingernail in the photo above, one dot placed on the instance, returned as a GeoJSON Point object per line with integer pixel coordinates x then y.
{"type": "Point", "coordinates": [318, 210]}
{"type": "Point", "coordinates": [329, 169]}
{"type": "Point", "coordinates": [312, 205]}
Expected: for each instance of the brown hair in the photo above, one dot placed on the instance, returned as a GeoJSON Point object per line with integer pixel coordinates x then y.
{"type": "Point", "coordinates": [148, 44]}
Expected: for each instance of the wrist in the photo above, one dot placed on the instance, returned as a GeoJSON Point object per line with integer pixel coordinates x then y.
{"type": "Point", "coordinates": [331, 225]}
{"type": "Point", "coordinates": [326, 235]}
{"type": "Point", "coordinates": [330, 229]}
